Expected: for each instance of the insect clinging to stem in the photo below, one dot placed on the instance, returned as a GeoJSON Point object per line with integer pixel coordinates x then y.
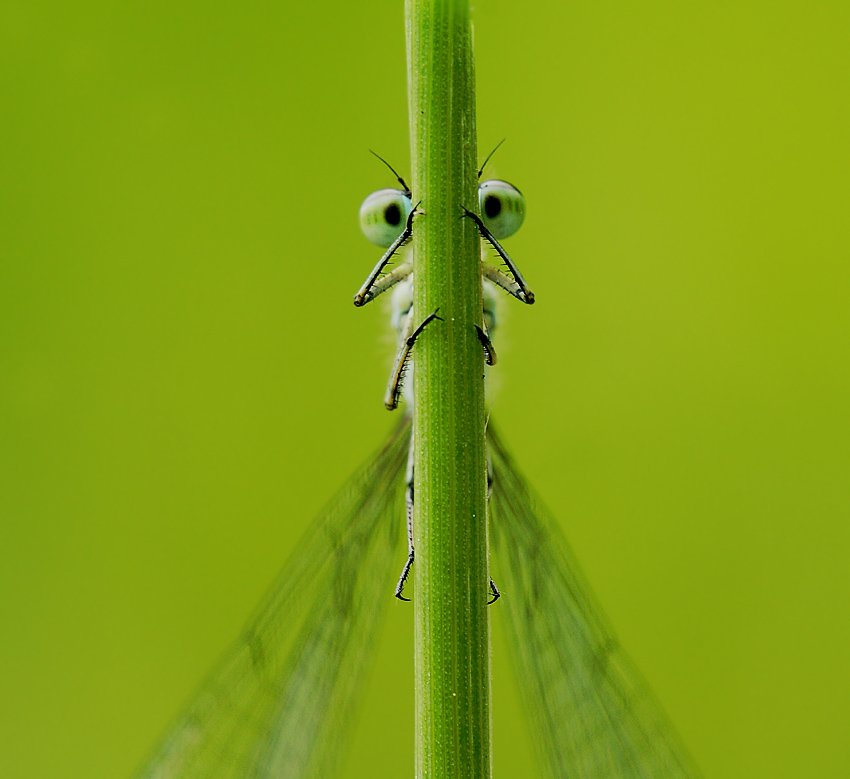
{"type": "Point", "coordinates": [386, 218]}
{"type": "Point", "coordinates": [281, 700]}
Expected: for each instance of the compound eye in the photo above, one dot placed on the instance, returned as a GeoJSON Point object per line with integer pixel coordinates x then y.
{"type": "Point", "coordinates": [383, 216]}
{"type": "Point", "coordinates": [502, 207]}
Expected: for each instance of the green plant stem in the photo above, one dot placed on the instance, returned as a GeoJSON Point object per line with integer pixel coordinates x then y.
{"type": "Point", "coordinates": [452, 629]}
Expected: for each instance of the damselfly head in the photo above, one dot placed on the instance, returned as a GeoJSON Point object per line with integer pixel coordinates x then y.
{"type": "Point", "coordinates": [383, 215]}
{"type": "Point", "coordinates": [502, 207]}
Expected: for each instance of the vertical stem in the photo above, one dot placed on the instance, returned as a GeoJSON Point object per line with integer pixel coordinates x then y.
{"type": "Point", "coordinates": [452, 628]}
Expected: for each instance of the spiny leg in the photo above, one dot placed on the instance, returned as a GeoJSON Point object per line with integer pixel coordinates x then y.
{"type": "Point", "coordinates": [402, 356]}
{"type": "Point", "coordinates": [501, 280]}
{"type": "Point", "coordinates": [381, 285]}
{"type": "Point", "coordinates": [490, 359]}
{"type": "Point", "coordinates": [486, 345]}
{"type": "Point", "coordinates": [408, 496]}
{"type": "Point", "coordinates": [516, 286]}
{"type": "Point", "coordinates": [373, 286]}
{"type": "Point", "coordinates": [494, 590]}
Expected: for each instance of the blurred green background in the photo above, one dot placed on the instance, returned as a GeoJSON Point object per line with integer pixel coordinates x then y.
{"type": "Point", "coordinates": [184, 381]}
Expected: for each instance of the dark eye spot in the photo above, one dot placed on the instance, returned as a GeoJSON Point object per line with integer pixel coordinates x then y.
{"type": "Point", "coordinates": [392, 215]}
{"type": "Point", "coordinates": [492, 206]}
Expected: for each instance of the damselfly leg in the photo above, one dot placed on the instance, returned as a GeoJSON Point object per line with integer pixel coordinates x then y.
{"type": "Point", "coordinates": [408, 339]}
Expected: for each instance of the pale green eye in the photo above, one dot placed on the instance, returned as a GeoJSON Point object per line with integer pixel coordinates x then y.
{"type": "Point", "coordinates": [502, 207]}
{"type": "Point", "coordinates": [383, 215]}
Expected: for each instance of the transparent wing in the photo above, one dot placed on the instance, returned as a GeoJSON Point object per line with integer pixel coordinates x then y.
{"type": "Point", "coordinates": [280, 701]}
{"type": "Point", "coordinates": [592, 714]}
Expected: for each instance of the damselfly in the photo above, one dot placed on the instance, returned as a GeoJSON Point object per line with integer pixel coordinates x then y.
{"type": "Point", "coordinates": [280, 702]}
